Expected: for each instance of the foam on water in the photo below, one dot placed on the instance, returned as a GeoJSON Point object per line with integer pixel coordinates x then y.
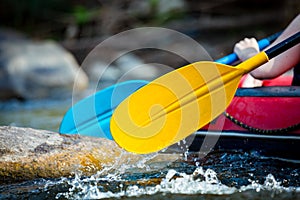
{"type": "Point", "coordinates": [226, 175]}
{"type": "Point", "coordinates": [136, 180]}
{"type": "Point", "coordinates": [199, 182]}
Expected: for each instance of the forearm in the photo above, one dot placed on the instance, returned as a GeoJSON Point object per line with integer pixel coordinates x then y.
{"type": "Point", "coordinates": [284, 61]}
{"type": "Point", "coordinates": [278, 65]}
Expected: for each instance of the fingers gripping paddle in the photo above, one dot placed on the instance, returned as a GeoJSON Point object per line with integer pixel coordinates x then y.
{"type": "Point", "coordinates": [177, 104]}
{"type": "Point", "coordinates": [91, 116]}
{"type": "Point", "coordinates": [263, 43]}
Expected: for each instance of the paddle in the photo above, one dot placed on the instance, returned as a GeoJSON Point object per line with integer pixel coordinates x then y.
{"type": "Point", "coordinates": [177, 104]}
{"type": "Point", "coordinates": [91, 116]}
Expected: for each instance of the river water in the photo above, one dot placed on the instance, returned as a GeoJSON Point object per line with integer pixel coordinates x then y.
{"type": "Point", "coordinates": [220, 175]}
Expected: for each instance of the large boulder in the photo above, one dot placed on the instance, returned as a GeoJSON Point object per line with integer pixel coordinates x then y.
{"type": "Point", "coordinates": [32, 70]}
{"type": "Point", "coordinates": [27, 153]}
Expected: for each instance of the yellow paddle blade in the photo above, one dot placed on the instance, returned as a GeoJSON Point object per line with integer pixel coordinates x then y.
{"type": "Point", "coordinates": [173, 106]}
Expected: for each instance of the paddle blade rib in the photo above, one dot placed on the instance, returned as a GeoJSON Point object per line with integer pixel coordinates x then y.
{"type": "Point", "coordinates": [173, 106]}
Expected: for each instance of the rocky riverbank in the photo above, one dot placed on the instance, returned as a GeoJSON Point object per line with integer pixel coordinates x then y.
{"type": "Point", "coordinates": [37, 69]}
{"type": "Point", "coordinates": [27, 154]}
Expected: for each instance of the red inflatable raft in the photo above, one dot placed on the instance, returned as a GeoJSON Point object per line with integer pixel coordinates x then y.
{"type": "Point", "coordinates": [265, 119]}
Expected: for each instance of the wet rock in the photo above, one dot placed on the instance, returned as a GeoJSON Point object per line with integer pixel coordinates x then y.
{"type": "Point", "coordinates": [132, 67]}
{"type": "Point", "coordinates": [106, 69]}
{"type": "Point", "coordinates": [27, 153]}
{"type": "Point", "coordinates": [38, 70]}
{"type": "Point", "coordinates": [101, 70]}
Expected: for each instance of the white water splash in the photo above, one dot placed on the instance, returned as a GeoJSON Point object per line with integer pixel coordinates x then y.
{"type": "Point", "coordinates": [270, 184]}
{"type": "Point", "coordinates": [200, 182]}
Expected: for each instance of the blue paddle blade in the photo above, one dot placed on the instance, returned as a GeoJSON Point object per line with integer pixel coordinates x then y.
{"type": "Point", "coordinates": [91, 116]}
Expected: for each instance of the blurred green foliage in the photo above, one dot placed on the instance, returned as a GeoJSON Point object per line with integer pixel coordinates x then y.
{"type": "Point", "coordinates": [82, 15]}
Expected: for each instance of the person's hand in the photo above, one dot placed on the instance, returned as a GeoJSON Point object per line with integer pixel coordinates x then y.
{"type": "Point", "coordinates": [246, 48]}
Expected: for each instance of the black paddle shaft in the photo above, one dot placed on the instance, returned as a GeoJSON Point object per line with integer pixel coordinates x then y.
{"type": "Point", "coordinates": [284, 45]}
